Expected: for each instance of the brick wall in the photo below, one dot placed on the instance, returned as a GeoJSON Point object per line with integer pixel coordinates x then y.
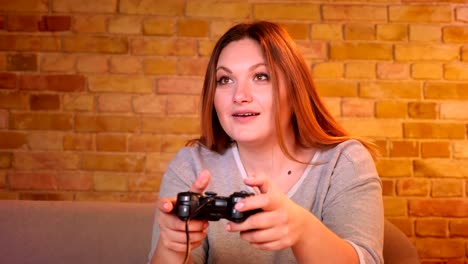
{"type": "Point", "coordinates": [97, 96]}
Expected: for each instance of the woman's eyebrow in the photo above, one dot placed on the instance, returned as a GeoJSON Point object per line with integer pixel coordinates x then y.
{"type": "Point", "coordinates": [250, 68]}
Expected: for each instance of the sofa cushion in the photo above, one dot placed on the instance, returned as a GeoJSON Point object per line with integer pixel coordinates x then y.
{"type": "Point", "coordinates": [75, 232]}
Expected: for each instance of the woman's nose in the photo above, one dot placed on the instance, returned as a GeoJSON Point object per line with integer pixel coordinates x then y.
{"type": "Point", "coordinates": [242, 93]}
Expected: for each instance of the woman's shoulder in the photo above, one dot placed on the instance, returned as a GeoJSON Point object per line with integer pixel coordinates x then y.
{"type": "Point", "coordinates": [198, 151]}
{"type": "Point", "coordinates": [349, 150]}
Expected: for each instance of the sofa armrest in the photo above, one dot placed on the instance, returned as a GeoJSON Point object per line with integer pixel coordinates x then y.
{"type": "Point", "coordinates": [75, 232]}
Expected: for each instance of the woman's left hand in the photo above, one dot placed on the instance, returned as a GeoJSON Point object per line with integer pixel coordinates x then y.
{"type": "Point", "coordinates": [280, 225]}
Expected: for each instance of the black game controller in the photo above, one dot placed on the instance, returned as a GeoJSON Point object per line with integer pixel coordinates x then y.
{"type": "Point", "coordinates": [211, 207]}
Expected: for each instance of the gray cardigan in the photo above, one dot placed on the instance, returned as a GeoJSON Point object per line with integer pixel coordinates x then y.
{"type": "Point", "coordinates": [340, 187]}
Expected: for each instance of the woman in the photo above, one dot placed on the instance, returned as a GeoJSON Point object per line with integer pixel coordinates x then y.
{"type": "Point", "coordinates": [264, 129]}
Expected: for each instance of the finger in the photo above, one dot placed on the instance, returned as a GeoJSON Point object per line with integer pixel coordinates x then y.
{"type": "Point", "coordinates": [166, 204]}
{"type": "Point", "coordinates": [262, 220]}
{"type": "Point", "coordinates": [202, 181]}
{"type": "Point", "coordinates": [253, 202]}
{"type": "Point", "coordinates": [263, 236]}
{"type": "Point", "coordinates": [181, 237]}
{"type": "Point", "coordinates": [273, 245]}
{"type": "Point", "coordinates": [174, 223]}
{"type": "Point", "coordinates": [260, 181]}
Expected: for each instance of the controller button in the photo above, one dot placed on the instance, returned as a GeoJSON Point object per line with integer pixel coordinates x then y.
{"type": "Point", "coordinates": [211, 194]}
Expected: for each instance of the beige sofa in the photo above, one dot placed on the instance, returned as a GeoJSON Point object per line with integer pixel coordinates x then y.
{"type": "Point", "coordinates": [46, 232]}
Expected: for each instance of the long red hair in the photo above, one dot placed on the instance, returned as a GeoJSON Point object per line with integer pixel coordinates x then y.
{"type": "Point", "coordinates": [313, 124]}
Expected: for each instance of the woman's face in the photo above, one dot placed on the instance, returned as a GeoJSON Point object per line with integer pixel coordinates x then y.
{"type": "Point", "coordinates": [244, 94]}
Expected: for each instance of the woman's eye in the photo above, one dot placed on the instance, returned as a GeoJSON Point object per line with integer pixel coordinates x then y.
{"type": "Point", "coordinates": [262, 77]}
{"type": "Point", "coordinates": [223, 80]}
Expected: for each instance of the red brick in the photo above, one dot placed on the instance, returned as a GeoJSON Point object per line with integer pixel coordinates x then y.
{"type": "Point", "coordinates": [388, 188]}
{"type": "Point", "coordinates": [447, 188]}
{"type": "Point", "coordinates": [113, 162]}
{"type": "Point", "coordinates": [295, 30]}
{"type": "Point", "coordinates": [459, 227]}
{"type": "Point", "coordinates": [431, 227]}
{"type": "Point", "coordinates": [313, 50]}
{"type": "Point", "coordinates": [426, 52]}
{"type": "Point", "coordinates": [21, 62]}
{"type": "Point", "coordinates": [172, 143]}
{"type": "Point", "coordinates": [154, 104]}
{"type": "Point", "coordinates": [114, 103]}
{"type": "Point", "coordinates": [14, 100]}
{"type": "Point", "coordinates": [357, 107]}
{"type": "Point", "coordinates": [420, 13]}
{"type": "Point", "coordinates": [6, 159]}
{"type": "Point", "coordinates": [8, 81]}
{"type": "Point", "coordinates": [111, 181]}
{"type": "Point", "coordinates": [84, 6]}
{"type": "Point", "coordinates": [144, 183]}
{"type": "Point", "coordinates": [157, 162]}
{"type": "Point", "coordinates": [237, 9]}
{"type": "Point", "coordinates": [87, 123]}
{"type": "Point", "coordinates": [12, 140]}
{"type": "Point", "coordinates": [438, 207]}
{"type": "Point", "coordinates": [404, 149]}
{"type": "Point", "coordinates": [4, 115]}
{"type": "Point", "coordinates": [361, 51]}
{"type": "Point", "coordinates": [193, 28]}
{"type": "Point", "coordinates": [23, 23]}
{"type": "Point", "coordinates": [95, 44]}
{"type": "Point", "coordinates": [121, 84]}
{"type": "Point", "coordinates": [435, 149]}
{"type": "Point", "coordinates": [422, 110]}
{"type": "Point", "coordinates": [394, 71]}
{"type": "Point", "coordinates": [173, 125]}
{"type": "Point", "coordinates": [41, 121]}
{"type": "Point", "coordinates": [32, 180]}
{"type": "Point", "coordinates": [462, 14]}
{"type": "Point", "coordinates": [440, 248]}
{"type": "Point", "coordinates": [78, 142]}
{"type": "Point", "coordinates": [55, 23]}
{"type": "Point", "coordinates": [45, 140]}
{"type": "Point", "coordinates": [354, 31]}
{"type": "Point", "coordinates": [404, 224]}
{"type": "Point", "coordinates": [46, 160]}
{"type": "Point", "coordinates": [434, 130]}
{"type": "Point", "coordinates": [192, 66]}
{"type": "Point", "coordinates": [89, 23]}
{"type": "Point", "coordinates": [3, 181]}
{"type": "Point", "coordinates": [24, 6]}
{"type": "Point", "coordinates": [295, 11]}
{"type": "Point", "coordinates": [182, 105]}
{"type": "Point", "coordinates": [75, 181]}
{"type": "Point", "coordinates": [455, 34]}
{"type": "Point", "coordinates": [60, 83]}
{"type": "Point", "coordinates": [29, 43]}
{"type": "Point", "coordinates": [354, 12]}
{"type": "Point", "coordinates": [113, 143]}
{"type": "Point", "coordinates": [144, 143]}
{"type": "Point", "coordinates": [337, 88]}
{"type": "Point", "coordinates": [78, 102]}
{"type": "Point", "coordinates": [45, 102]}
{"type": "Point", "coordinates": [394, 167]}
{"type": "Point", "coordinates": [446, 90]}
{"type": "Point", "coordinates": [164, 47]}
{"type": "Point", "coordinates": [413, 187]}
{"type": "Point", "coordinates": [441, 168]}
{"type": "Point", "coordinates": [163, 8]}
{"type": "Point", "coordinates": [179, 85]}
{"type": "Point", "coordinates": [395, 206]}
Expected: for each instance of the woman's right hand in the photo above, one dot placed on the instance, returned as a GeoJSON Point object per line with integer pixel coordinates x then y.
{"type": "Point", "coordinates": [172, 237]}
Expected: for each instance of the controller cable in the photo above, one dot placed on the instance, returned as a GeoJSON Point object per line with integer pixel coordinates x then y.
{"type": "Point", "coordinates": [187, 236]}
